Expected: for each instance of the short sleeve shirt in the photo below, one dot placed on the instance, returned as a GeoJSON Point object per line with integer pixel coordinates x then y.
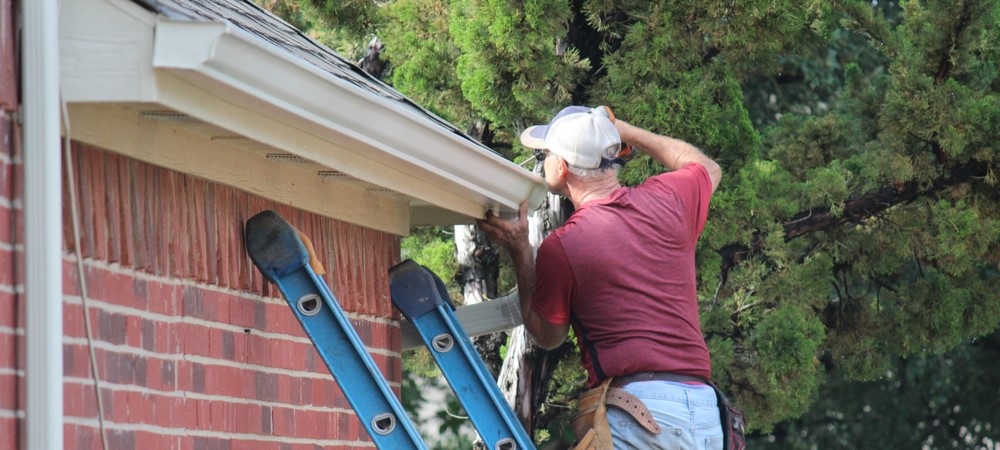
{"type": "Point", "coordinates": [621, 271]}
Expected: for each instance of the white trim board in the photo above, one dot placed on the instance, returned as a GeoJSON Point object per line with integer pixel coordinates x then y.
{"type": "Point", "coordinates": [118, 54]}
{"type": "Point", "coordinates": [169, 145]}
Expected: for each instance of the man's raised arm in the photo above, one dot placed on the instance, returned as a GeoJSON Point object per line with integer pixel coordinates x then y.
{"type": "Point", "coordinates": [672, 153]}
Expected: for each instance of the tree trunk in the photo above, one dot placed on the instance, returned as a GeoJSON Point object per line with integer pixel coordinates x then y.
{"type": "Point", "coordinates": [478, 268]}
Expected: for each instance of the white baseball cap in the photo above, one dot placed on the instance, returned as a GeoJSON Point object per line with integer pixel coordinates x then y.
{"type": "Point", "coordinates": [584, 137]}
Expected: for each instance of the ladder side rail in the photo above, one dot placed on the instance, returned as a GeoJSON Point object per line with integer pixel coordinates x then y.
{"type": "Point", "coordinates": [418, 294]}
{"type": "Point", "coordinates": [280, 255]}
{"type": "Point", "coordinates": [345, 356]}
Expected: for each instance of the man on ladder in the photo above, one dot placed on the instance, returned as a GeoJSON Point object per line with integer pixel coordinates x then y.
{"type": "Point", "coordinates": [621, 271]}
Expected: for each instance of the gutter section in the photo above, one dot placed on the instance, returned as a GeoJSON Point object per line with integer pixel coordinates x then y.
{"type": "Point", "coordinates": [269, 80]}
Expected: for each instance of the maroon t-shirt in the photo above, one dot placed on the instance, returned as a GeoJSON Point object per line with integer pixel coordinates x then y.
{"type": "Point", "coordinates": [621, 271]}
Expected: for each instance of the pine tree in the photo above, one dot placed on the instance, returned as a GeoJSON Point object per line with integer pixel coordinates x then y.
{"type": "Point", "coordinates": [858, 221]}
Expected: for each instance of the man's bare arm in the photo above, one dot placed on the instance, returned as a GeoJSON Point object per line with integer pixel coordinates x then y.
{"type": "Point", "coordinates": [513, 235]}
{"type": "Point", "coordinates": [672, 153]}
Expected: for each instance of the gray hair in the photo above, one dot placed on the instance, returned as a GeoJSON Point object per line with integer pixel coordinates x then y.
{"type": "Point", "coordinates": [592, 173]}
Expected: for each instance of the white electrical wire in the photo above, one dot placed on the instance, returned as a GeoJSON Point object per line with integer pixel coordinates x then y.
{"type": "Point", "coordinates": [80, 274]}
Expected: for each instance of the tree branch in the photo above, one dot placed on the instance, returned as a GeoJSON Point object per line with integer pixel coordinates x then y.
{"type": "Point", "coordinates": [855, 210]}
{"type": "Point", "coordinates": [945, 66]}
{"type": "Point", "coordinates": [872, 203]}
{"type": "Point", "coordinates": [709, 55]}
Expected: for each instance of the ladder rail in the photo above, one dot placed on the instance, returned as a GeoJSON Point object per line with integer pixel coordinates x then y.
{"type": "Point", "coordinates": [280, 255]}
{"type": "Point", "coordinates": [421, 296]}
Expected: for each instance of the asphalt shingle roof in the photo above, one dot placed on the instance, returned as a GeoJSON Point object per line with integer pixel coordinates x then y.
{"type": "Point", "coordinates": [275, 31]}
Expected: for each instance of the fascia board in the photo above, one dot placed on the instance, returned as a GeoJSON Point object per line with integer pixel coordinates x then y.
{"type": "Point", "coordinates": [348, 115]}
{"type": "Point", "coordinates": [105, 50]}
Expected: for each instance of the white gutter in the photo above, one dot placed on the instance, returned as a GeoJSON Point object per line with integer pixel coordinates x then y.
{"type": "Point", "coordinates": [292, 90]}
{"type": "Point", "coordinates": [43, 223]}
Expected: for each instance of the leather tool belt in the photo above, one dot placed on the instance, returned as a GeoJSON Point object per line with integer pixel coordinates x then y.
{"type": "Point", "coordinates": [591, 421]}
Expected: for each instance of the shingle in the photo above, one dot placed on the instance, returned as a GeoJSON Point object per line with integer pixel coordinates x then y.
{"type": "Point", "coordinates": [271, 29]}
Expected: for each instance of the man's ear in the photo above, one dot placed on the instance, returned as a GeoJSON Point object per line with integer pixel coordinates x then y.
{"type": "Point", "coordinates": [561, 169]}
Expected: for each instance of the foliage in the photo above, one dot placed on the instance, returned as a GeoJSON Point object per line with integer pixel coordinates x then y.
{"type": "Point", "coordinates": [858, 221]}
{"type": "Point", "coordinates": [928, 400]}
{"type": "Point", "coordinates": [341, 36]}
{"type": "Point", "coordinates": [434, 248]}
{"type": "Point", "coordinates": [440, 420]}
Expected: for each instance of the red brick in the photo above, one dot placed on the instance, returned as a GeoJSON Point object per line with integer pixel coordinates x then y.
{"type": "Point", "coordinates": [140, 222]}
{"type": "Point", "coordinates": [112, 216]}
{"type": "Point", "coordinates": [6, 235]}
{"type": "Point", "coordinates": [9, 432]}
{"type": "Point", "coordinates": [211, 230]}
{"type": "Point", "coordinates": [99, 187]}
{"type": "Point", "coordinates": [217, 303]}
{"type": "Point", "coordinates": [8, 348]}
{"type": "Point", "coordinates": [159, 232]}
{"type": "Point", "coordinates": [258, 350]}
{"type": "Point", "coordinates": [230, 381]}
{"type": "Point", "coordinates": [7, 258]}
{"type": "Point", "coordinates": [149, 440]}
{"type": "Point", "coordinates": [226, 239]}
{"type": "Point", "coordinates": [241, 313]}
{"type": "Point", "coordinates": [112, 287]}
{"type": "Point", "coordinates": [71, 278]}
{"type": "Point", "coordinates": [201, 232]}
{"type": "Point", "coordinates": [6, 174]}
{"type": "Point", "coordinates": [73, 320]}
{"type": "Point", "coordinates": [133, 331]}
{"type": "Point", "coordinates": [162, 374]}
{"type": "Point", "coordinates": [169, 411]}
{"type": "Point", "coordinates": [195, 339]}
{"type": "Point", "coordinates": [9, 384]}
{"type": "Point", "coordinates": [163, 298]}
{"type": "Point", "coordinates": [17, 158]}
{"type": "Point", "coordinates": [203, 414]}
{"type": "Point", "coordinates": [8, 62]}
{"type": "Point", "coordinates": [216, 413]}
{"type": "Point", "coordinates": [79, 400]}
{"type": "Point", "coordinates": [179, 238]}
{"type": "Point", "coordinates": [114, 367]}
{"type": "Point", "coordinates": [157, 221]}
{"type": "Point", "coordinates": [124, 218]}
{"type": "Point", "coordinates": [8, 311]}
{"type": "Point", "coordinates": [85, 198]}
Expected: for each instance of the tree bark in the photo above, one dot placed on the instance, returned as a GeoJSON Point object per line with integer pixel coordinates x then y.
{"type": "Point", "coordinates": [478, 268]}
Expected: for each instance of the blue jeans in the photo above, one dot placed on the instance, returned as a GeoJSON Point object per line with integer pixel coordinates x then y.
{"type": "Point", "coordinates": [688, 416]}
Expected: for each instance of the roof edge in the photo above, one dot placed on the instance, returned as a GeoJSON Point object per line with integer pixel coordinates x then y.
{"type": "Point", "coordinates": [378, 127]}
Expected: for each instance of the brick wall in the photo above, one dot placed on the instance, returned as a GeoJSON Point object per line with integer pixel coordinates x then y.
{"type": "Point", "coordinates": [194, 349]}
{"type": "Point", "coordinates": [11, 311]}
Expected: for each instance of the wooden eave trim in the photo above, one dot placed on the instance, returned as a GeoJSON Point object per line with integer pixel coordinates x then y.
{"type": "Point", "coordinates": [170, 145]}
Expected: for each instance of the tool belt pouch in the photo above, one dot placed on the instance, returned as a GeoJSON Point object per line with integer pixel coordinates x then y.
{"type": "Point", "coordinates": [591, 421]}
{"type": "Point", "coordinates": [733, 422]}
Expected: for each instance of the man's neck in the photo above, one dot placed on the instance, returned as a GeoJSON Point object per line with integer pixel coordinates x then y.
{"type": "Point", "coordinates": [582, 191]}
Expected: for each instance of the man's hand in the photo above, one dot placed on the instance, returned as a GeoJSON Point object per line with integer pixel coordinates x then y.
{"type": "Point", "coordinates": [509, 234]}
{"type": "Point", "coordinates": [513, 235]}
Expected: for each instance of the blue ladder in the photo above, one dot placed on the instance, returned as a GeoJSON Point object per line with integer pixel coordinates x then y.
{"type": "Point", "coordinates": [421, 297]}
{"type": "Point", "coordinates": [280, 255]}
